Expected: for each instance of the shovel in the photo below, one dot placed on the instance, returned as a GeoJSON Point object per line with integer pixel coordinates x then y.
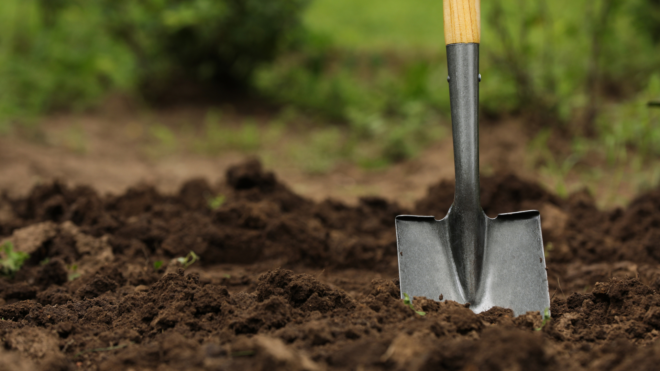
{"type": "Point", "coordinates": [467, 256]}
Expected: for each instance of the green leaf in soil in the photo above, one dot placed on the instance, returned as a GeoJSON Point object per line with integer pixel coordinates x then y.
{"type": "Point", "coordinates": [216, 202]}
{"type": "Point", "coordinates": [13, 260]}
{"type": "Point", "coordinates": [546, 319]}
{"type": "Point", "coordinates": [408, 302]}
{"type": "Point", "coordinates": [73, 268]}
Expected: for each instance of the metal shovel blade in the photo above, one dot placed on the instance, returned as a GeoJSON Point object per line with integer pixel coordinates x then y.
{"type": "Point", "coordinates": [468, 257]}
{"type": "Point", "coordinates": [512, 274]}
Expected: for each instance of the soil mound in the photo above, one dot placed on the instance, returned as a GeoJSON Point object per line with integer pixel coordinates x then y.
{"type": "Point", "coordinates": [285, 283]}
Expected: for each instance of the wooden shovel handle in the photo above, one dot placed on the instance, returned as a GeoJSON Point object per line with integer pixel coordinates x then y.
{"type": "Point", "coordinates": [462, 21]}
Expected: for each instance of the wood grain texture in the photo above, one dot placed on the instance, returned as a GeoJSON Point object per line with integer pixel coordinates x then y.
{"type": "Point", "coordinates": [462, 21]}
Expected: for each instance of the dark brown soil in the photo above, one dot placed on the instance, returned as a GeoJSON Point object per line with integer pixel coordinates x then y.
{"type": "Point", "coordinates": [285, 283]}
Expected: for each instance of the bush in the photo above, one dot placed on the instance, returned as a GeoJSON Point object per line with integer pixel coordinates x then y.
{"type": "Point", "coordinates": [217, 42]}
{"type": "Point", "coordinates": [647, 13]}
{"type": "Point", "coordinates": [548, 58]}
{"type": "Point", "coordinates": [70, 53]}
{"type": "Point", "coordinates": [47, 64]}
{"type": "Point", "coordinates": [633, 124]}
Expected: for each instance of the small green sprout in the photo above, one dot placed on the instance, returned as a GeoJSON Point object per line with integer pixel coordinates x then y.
{"type": "Point", "coordinates": [13, 260]}
{"type": "Point", "coordinates": [546, 319]}
{"type": "Point", "coordinates": [45, 261]}
{"type": "Point", "coordinates": [188, 260]}
{"type": "Point", "coordinates": [216, 202]}
{"type": "Point", "coordinates": [158, 264]}
{"type": "Point", "coordinates": [74, 272]}
{"type": "Point", "coordinates": [226, 276]}
{"type": "Point", "coordinates": [408, 302]}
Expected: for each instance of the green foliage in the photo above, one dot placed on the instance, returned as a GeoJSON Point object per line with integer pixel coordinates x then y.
{"type": "Point", "coordinates": [221, 42]}
{"type": "Point", "coordinates": [188, 260]}
{"type": "Point", "coordinates": [12, 260]}
{"type": "Point", "coordinates": [218, 137]}
{"type": "Point", "coordinates": [554, 56]}
{"type": "Point", "coordinates": [647, 14]}
{"type": "Point", "coordinates": [216, 202]}
{"type": "Point", "coordinates": [632, 123]}
{"type": "Point", "coordinates": [56, 60]}
{"type": "Point", "coordinates": [246, 138]}
{"type": "Point", "coordinates": [400, 137]}
{"type": "Point", "coordinates": [398, 117]}
{"type": "Point", "coordinates": [408, 302]}
{"type": "Point", "coordinates": [379, 24]}
{"type": "Point", "coordinates": [319, 152]}
{"type": "Point", "coordinates": [158, 264]}
{"type": "Point", "coordinates": [335, 83]}
{"type": "Point", "coordinates": [555, 167]}
{"type": "Point", "coordinates": [75, 139]}
{"type": "Point", "coordinates": [550, 59]}
{"type": "Point", "coordinates": [546, 319]}
{"type": "Point", "coordinates": [68, 54]}
{"type": "Point", "coordinates": [164, 138]}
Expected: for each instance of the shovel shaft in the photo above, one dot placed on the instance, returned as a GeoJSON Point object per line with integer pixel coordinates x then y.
{"type": "Point", "coordinates": [467, 224]}
{"type": "Point", "coordinates": [463, 66]}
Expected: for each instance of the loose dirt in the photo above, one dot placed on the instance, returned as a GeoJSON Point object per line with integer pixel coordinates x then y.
{"type": "Point", "coordinates": [287, 283]}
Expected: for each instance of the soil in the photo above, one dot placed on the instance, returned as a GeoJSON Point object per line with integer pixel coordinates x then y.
{"type": "Point", "coordinates": [288, 283]}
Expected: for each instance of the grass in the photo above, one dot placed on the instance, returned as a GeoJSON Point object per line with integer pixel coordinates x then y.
{"type": "Point", "coordinates": [75, 139]}
{"type": "Point", "coordinates": [216, 136]}
{"type": "Point", "coordinates": [619, 162]}
{"type": "Point", "coordinates": [164, 139]}
{"type": "Point", "coordinates": [587, 164]}
{"type": "Point", "coordinates": [320, 152]}
{"type": "Point", "coordinates": [370, 140]}
{"type": "Point", "coordinates": [379, 24]}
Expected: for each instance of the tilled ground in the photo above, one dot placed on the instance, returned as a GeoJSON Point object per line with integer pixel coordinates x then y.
{"type": "Point", "coordinates": [288, 284]}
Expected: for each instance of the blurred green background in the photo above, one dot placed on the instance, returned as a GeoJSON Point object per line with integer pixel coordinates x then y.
{"type": "Point", "coordinates": [580, 69]}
